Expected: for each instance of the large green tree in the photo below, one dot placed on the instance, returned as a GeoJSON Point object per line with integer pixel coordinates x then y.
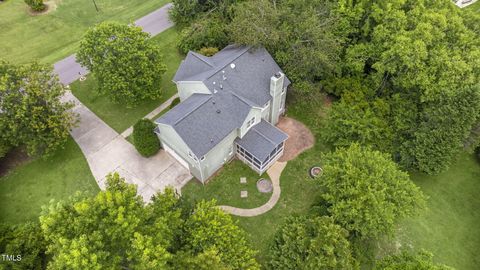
{"type": "Point", "coordinates": [27, 242]}
{"type": "Point", "coordinates": [184, 12]}
{"type": "Point", "coordinates": [210, 228]}
{"type": "Point", "coordinates": [311, 243]}
{"type": "Point", "coordinates": [405, 261]}
{"type": "Point", "coordinates": [421, 58]}
{"type": "Point", "coordinates": [127, 66]}
{"type": "Point", "coordinates": [116, 230]}
{"type": "Point", "coordinates": [32, 113]}
{"type": "Point", "coordinates": [366, 192]}
{"type": "Point", "coordinates": [300, 34]}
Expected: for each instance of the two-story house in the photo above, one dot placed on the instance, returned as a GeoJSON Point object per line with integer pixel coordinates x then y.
{"type": "Point", "coordinates": [230, 103]}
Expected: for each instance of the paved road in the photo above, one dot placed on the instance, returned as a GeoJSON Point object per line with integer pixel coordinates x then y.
{"type": "Point", "coordinates": [107, 151]}
{"type": "Point", "coordinates": [68, 70]}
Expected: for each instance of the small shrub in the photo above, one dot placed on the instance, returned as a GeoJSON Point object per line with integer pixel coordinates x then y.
{"type": "Point", "coordinates": [145, 140]}
{"type": "Point", "coordinates": [208, 51]}
{"type": "Point", "coordinates": [35, 5]}
{"type": "Point", "coordinates": [174, 102]}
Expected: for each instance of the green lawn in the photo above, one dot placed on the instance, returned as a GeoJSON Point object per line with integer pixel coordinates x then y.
{"type": "Point", "coordinates": [298, 190]}
{"type": "Point", "coordinates": [118, 116]}
{"type": "Point", "coordinates": [450, 227]}
{"type": "Point", "coordinates": [53, 36]}
{"type": "Point", "coordinates": [475, 6]}
{"type": "Point", "coordinates": [225, 187]}
{"type": "Point", "coordinates": [25, 189]}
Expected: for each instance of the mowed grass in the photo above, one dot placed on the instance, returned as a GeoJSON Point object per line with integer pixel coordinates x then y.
{"type": "Point", "coordinates": [26, 188]}
{"type": "Point", "coordinates": [119, 116]}
{"type": "Point", "coordinates": [225, 187]}
{"type": "Point", "coordinates": [450, 227]}
{"type": "Point", "coordinates": [475, 7]}
{"type": "Point", "coordinates": [55, 35]}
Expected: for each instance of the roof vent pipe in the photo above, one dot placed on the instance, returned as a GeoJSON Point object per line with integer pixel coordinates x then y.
{"type": "Point", "coordinates": [232, 65]}
{"type": "Point", "coordinates": [218, 111]}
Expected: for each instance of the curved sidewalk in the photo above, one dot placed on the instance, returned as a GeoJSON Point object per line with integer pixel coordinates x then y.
{"type": "Point", "coordinates": [274, 172]}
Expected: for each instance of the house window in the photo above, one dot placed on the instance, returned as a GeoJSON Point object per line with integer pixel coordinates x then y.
{"type": "Point", "coordinates": [251, 122]}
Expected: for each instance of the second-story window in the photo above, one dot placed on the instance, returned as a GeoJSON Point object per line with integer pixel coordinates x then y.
{"type": "Point", "coordinates": [251, 122]}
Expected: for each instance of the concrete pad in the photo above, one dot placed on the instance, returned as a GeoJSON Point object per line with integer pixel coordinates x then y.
{"type": "Point", "coordinates": [147, 193]}
{"type": "Point", "coordinates": [243, 180]}
{"type": "Point", "coordinates": [243, 194]}
{"type": "Point", "coordinates": [148, 168]}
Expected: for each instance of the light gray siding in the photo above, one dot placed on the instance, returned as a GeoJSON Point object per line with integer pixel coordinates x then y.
{"type": "Point", "coordinates": [219, 155]}
{"type": "Point", "coordinates": [170, 137]}
{"type": "Point", "coordinates": [186, 89]}
{"type": "Point", "coordinates": [254, 112]}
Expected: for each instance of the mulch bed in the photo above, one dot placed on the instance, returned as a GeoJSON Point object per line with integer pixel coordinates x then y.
{"type": "Point", "coordinates": [13, 159]}
{"type": "Point", "coordinates": [300, 138]}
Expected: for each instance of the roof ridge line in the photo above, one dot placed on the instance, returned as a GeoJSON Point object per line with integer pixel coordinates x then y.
{"type": "Point", "coordinates": [259, 133]}
{"type": "Point", "coordinates": [200, 58]}
{"type": "Point", "coordinates": [194, 109]}
{"type": "Point", "coordinates": [242, 99]}
{"type": "Point", "coordinates": [247, 48]}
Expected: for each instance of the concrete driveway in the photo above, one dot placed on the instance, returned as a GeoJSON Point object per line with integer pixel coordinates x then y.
{"type": "Point", "coordinates": [107, 151]}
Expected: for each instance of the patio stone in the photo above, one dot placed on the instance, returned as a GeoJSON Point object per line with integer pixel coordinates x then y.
{"type": "Point", "coordinates": [243, 194]}
{"type": "Point", "coordinates": [243, 180]}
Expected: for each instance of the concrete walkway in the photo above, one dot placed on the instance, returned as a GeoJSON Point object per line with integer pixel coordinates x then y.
{"type": "Point", "coordinates": [68, 70]}
{"type": "Point", "coordinates": [464, 3]}
{"type": "Point", "coordinates": [274, 172]}
{"type": "Point", "coordinates": [107, 151]}
{"type": "Point", "coordinates": [152, 114]}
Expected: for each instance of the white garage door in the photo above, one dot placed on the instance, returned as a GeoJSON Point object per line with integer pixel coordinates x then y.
{"type": "Point", "coordinates": [176, 156]}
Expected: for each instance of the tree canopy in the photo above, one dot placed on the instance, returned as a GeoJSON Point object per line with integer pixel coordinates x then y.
{"type": "Point", "coordinates": [298, 33]}
{"type": "Point", "coordinates": [418, 58]}
{"type": "Point", "coordinates": [115, 230]}
{"type": "Point", "coordinates": [32, 113]}
{"type": "Point", "coordinates": [366, 192]}
{"type": "Point", "coordinates": [127, 66]}
{"type": "Point", "coordinates": [311, 243]}
{"type": "Point", "coordinates": [405, 261]}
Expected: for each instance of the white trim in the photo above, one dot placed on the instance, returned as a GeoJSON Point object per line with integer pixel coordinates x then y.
{"type": "Point", "coordinates": [176, 156]}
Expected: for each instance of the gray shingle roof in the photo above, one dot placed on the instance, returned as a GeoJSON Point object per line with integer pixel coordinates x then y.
{"type": "Point", "coordinates": [250, 78]}
{"type": "Point", "coordinates": [202, 121]}
{"type": "Point", "coordinates": [238, 77]}
{"type": "Point", "coordinates": [262, 139]}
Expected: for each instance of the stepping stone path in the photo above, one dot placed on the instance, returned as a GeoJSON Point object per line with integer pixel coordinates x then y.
{"type": "Point", "coordinates": [243, 194]}
{"type": "Point", "coordinates": [243, 180]}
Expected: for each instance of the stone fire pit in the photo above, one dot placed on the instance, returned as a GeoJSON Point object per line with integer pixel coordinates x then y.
{"type": "Point", "coordinates": [264, 185]}
{"type": "Point", "coordinates": [316, 172]}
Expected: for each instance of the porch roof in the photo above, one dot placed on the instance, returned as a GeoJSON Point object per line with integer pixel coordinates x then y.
{"type": "Point", "coordinates": [262, 139]}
